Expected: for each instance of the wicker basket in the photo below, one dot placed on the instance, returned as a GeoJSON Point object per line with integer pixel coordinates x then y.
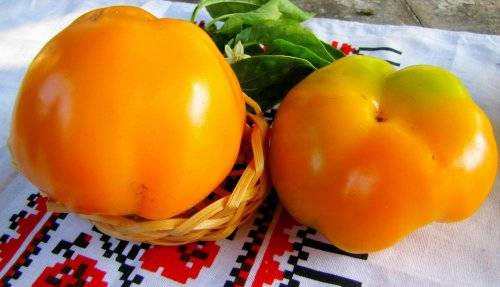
{"type": "Point", "coordinates": [218, 215]}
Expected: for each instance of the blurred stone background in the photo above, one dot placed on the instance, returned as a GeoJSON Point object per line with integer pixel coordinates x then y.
{"type": "Point", "coordinates": [480, 16]}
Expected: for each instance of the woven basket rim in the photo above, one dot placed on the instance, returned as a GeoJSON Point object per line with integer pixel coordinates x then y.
{"type": "Point", "coordinates": [216, 220]}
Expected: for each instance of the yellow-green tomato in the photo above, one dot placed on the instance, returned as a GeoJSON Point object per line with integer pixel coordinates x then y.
{"type": "Point", "coordinates": [366, 154]}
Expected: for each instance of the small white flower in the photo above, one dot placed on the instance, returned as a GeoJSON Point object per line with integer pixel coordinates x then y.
{"type": "Point", "coordinates": [235, 54]}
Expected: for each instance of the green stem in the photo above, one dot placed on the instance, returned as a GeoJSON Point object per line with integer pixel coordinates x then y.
{"type": "Point", "coordinates": [213, 21]}
{"type": "Point", "coordinates": [196, 10]}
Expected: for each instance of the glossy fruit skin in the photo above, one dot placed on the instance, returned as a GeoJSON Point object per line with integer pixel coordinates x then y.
{"type": "Point", "coordinates": [122, 113]}
{"type": "Point", "coordinates": [366, 154]}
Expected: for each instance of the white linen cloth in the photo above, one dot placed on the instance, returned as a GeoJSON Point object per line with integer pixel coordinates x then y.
{"type": "Point", "coordinates": [466, 253]}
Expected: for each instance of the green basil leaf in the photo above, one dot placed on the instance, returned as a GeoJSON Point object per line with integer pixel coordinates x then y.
{"type": "Point", "coordinates": [238, 14]}
{"type": "Point", "coordinates": [267, 78]}
{"type": "Point", "coordinates": [218, 8]}
{"type": "Point", "coordinates": [232, 26]}
{"type": "Point", "coordinates": [272, 10]}
{"type": "Point", "coordinates": [293, 52]}
{"type": "Point", "coordinates": [287, 9]}
{"type": "Point", "coordinates": [268, 31]}
{"type": "Point", "coordinates": [284, 47]}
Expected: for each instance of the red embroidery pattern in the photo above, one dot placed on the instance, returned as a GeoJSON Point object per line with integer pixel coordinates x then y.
{"type": "Point", "coordinates": [32, 250]}
{"type": "Point", "coordinates": [24, 227]}
{"type": "Point", "coordinates": [269, 268]}
{"type": "Point", "coordinates": [182, 262]}
{"type": "Point", "coordinates": [345, 48]}
{"type": "Point", "coordinates": [253, 243]}
{"type": "Point", "coordinates": [80, 271]}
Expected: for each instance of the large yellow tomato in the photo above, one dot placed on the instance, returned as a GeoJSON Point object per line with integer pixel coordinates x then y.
{"type": "Point", "coordinates": [367, 154]}
{"type": "Point", "coordinates": [123, 113]}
